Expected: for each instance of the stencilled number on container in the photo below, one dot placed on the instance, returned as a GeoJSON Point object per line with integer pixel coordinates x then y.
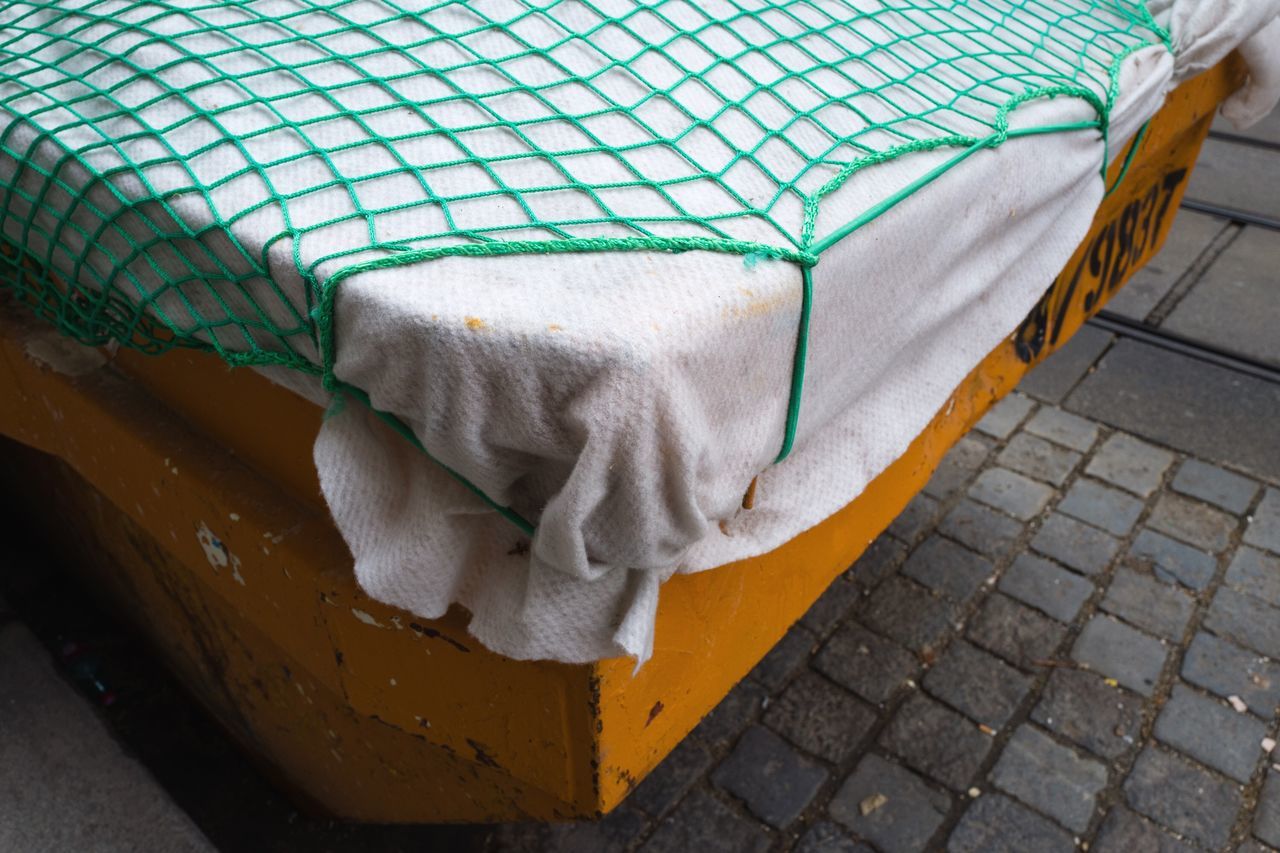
{"type": "Point", "coordinates": [1115, 250]}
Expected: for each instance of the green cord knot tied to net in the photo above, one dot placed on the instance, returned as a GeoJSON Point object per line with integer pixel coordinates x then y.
{"type": "Point", "coordinates": [207, 174]}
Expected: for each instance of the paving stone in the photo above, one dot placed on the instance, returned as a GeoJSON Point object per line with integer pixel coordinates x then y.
{"type": "Point", "coordinates": [671, 779]}
{"type": "Point", "coordinates": [997, 824]}
{"type": "Point", "coordinates": [703, 823]}
{"type": "Point", "coordinates": [865, 663]}
{"type": "Point", "coordinates": [785, 658]}
{"type": "Point", "coordinates": [1141, 600]}
{"type": "Point", "coordinates": [1130, 463]}
{"type": "Point", "coordinates": [1191, 235]}
{"type": "Point", "coordinates": [908, 814]}
{"type": "Point", "coordinates": [1254, 846]}
{"type": "Point", "coordinates": [1102, 506]}
{"type": "Point", "coordinates": [773, 779]}
{"type": "Point", "coordinates": [1055, 377]}
{"type": "Point", "coordinates": [1192, 522]}
{"type": "Point", "coordinates": [1247, 620]}
{"type": "Point", "coordinates": [1014, 631]}
{"type": "Point", "coordinates": [916, 519]}
{"type": "Point", "coordinates": [948, 568]}
{"type": "Point", "coordinates": [1037, 458]}
{"type": "Point", "coordinates": [907, 612]}
{"type": "Point", "coordinates": [825, 837]}
{"type": "Point", "coordinates": [1264, 529]}
{"type": "Point", "coordinates": [1266, 821]}
{"type": "Point", "coordinates": [1050, 777]}
{"type": "Point", "coordinates": [1046, 586]}
{"type": "Point", "coordinates": [1215, 485]}
{"type": "Point", "coordinates": [1228, 670]}
{"type": "Point", "coordinates": [1073, 543]}
{"type": "Point", "coordinates": [881, 559]}
{"type": "Point", "coordinates": [1182, 796]}
{"type": "Point", "coordinates": [978, 684]}
{"type": "Point", "coordinates": [1126, 654]}
{"type": "Point", "coordinates": [982, 529]}
{"type": "Point", "coordinates": [820, 717]}
{"type": "Point", "coordinates": [831, 606]}
{"type": "Point", "coordinates": [727, 720]}
{"type": "Point", "coordinates": [1005, 416]}
{"type": "Point", "coordinates": [1125, 832]}
{"type": "Point", "coordinates": [1232, 305]}
{"type": "Point", "coordinates": [1205, 410]}
{"type": "Point", "coordinates": [1255, 573]}
{"type": "Point", "coordinates": [1086, 710]}
{"type": "Point", "coordinates": [1063, 428]}
{"type": "Point", "coordinates": [614, 833]}
{"type": "Point", "coordinates": [1211, 733]}
{"type": "Point", "coordinates": [936, 741]}
{"type": "Point", "coordinates": [958, 466]}
{"type": "Point", "coordinates": [1172, 561]}
{"type": "Point", "coordinates": [1010, 492]}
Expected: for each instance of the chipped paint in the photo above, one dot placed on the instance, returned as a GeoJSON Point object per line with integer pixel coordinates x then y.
{"type": "Point", "coordinates": [235, 570]}
{"type": "Point", "coordinates": [234, 516]}
{"type": "Point", "coordinates": [366, 618]}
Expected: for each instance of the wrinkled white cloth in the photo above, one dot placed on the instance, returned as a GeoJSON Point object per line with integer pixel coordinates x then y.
{"type": "Point", "coordinates": [637, 395]}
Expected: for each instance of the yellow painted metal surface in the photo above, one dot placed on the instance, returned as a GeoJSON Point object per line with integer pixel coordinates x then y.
{"type": "Point", "coordinates": [211, 534]}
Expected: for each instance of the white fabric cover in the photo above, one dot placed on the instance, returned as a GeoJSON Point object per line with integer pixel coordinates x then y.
{"type": "Point", "coordinates": [637, 395]}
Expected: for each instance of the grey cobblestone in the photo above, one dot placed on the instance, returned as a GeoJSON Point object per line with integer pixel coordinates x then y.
{"type": "Point", "coordinates": [997, 824]}
{"type": "Point", "coordinates": [1264, 529]}
{"type": "Point", "coordinates": [773, 780]}
{"type": "Point", "coordinates": [1102, 506]}
{"type": "Point", "coordinates": [978, 684]}
{"type": "Point", "coordinates": [1073, 543]}
{"type": "Point", "coordinates": [1050, 777]}
{"type": "Point", "coordinates": [1211, 733]}
{"type": "Point", "coordinates": [889, 806]}
{"type": "Point", "coordinates": [1083, 708]}
{"type": "Point", "coordinates": [1180, 795]}
{"type": "Point", "coordinates": [1172, 560]}
{"type": "Point", "coordinates": [958, 466]}
{"type": "Point", "coordinates": [881, 559]}
{"type": "Point", "coordinates": [1228, 670]}
{"type": "Point", "coordinates": [1010, 492]}
{"type": "Point", "coordinates": [677, 773]}
{"type": "Point", "coordinates": [1130, 463]}
{"type": "Point", "coordinates": [785, 658]}
{"type": "Point", "coordinates": [1063, 428]}
{"type": "Point", "coordinates": [904, 611]}
{"type": "Point", "coordinates": [1046, 586]}
{"type": "Point", "coordinates": [948, 568]}
{"type": "Point", "coordinates": [703, 823]}
{"type": "Point", "coordinates": [1256, 573]}
{"type": "Point", "coordinates": [727, 720]}
{"type": "Point", "coordinates": [1156, 607]}
{"type": "Point", "coordinates": [1053, 379]}
{"type": "Point", "coordinates": [820, 718]}
{"type": "Point", "coordinates": [917, 519]}
{"type": "Point", "coordinates": [1126, 654]}
{"type": "Point", "coordinates": [1215, 485]}
{"type": "Point", "coordinates": [1014, 631]}
{"type": "Point", "coordinates": [825, 837]}
{"type": "Point", "coordinates": [1247, 620]}
{"type": "Point", "coordinates": [866, 663]}
{"type": "Point", "coordinates": [1192, 522]}
{"type": "Point", "coordinates": [1004, 417]}
{"type": "Point", "coordinates": [1039, 459]}
{"type": "Point", "coordinates": [1125, 832]}
{"type": "Point", "coordinates": [936, 741]}
{"type": "Point", "coordinates": [1266, 823]}
{"type": "Point", "coordinates": [831, 606]}
{"type": "Point", "coordinates": [982, 529]}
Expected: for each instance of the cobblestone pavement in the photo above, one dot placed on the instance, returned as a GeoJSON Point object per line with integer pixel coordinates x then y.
{"type": "Point", "coordinates": [1069, 640]}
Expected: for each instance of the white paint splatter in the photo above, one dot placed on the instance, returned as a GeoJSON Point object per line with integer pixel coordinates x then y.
{"type": "Point", "coordinates": [366, 618]}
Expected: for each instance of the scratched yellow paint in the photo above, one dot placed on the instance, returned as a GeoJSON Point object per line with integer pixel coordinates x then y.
{"type": "Point", "coordinates": [211, 535]}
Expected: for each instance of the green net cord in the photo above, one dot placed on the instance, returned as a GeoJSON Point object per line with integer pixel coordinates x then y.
{"type": "Point", "coordinates": [201, 174]}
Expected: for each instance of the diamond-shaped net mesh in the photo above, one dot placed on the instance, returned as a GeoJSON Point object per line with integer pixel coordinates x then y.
{"type": "Point", "coordinates": [206, 173]}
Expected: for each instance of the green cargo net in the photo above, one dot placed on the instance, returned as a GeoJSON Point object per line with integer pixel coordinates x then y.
{"type": "Point", "coordinates": [207, 174]}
